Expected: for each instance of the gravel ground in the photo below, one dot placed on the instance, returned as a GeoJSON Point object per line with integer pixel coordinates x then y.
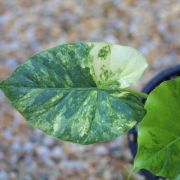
{"type": "Point", "coordinates": [29, 26]}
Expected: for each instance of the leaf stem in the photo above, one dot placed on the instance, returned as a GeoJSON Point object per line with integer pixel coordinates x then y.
{"type": "Point", "coordinates": [141, 94]}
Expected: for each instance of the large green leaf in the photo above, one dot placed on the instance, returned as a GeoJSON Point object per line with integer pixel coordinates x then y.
{"type": "Point", "coordinates": [159, 132]}
{"type": "Point", "coordinates": [74, 91]}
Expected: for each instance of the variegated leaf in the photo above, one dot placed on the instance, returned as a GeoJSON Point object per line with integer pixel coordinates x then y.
{"type": "Point", "coordinates": [74, 91]}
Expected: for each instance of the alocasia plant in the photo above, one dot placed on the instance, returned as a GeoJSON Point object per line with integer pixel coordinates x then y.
{"type": "Point", "coordinates": [79, 92]}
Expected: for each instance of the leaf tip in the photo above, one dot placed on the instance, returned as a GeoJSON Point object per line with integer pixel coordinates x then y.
{"type": "Point", "coordinates": [2, 83]}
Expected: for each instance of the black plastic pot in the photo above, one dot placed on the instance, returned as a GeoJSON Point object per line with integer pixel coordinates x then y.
{"type": "Point", "coordinates": [167, 74]}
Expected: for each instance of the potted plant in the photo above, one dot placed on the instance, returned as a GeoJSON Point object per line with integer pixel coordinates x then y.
{"type": "Point", "coordinates": [79, 92]}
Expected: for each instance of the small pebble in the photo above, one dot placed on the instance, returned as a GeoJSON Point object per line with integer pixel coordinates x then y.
{"type": "Point", "coordinates": [101, 150]}
{"type": "Point", "coordinates": [57, 153]}
{"type": "Point", "coordinates": [3, 175]}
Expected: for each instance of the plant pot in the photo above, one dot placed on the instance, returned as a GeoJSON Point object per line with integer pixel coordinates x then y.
{"type": "Point", "coordinates": [167, 74]}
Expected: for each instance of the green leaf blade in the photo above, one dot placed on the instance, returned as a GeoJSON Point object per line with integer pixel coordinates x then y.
{"type": "Point", "coordinates": [61, 92]}
{"type": "Point", "coordinates": [159, 132]}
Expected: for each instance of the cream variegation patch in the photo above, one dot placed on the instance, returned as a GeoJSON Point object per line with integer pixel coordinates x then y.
{"type": "Point", "coordinates": [123, 65]}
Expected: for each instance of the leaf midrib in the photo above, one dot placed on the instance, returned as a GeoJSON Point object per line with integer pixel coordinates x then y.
{"type": "Point", "coordinates": [73, 88]}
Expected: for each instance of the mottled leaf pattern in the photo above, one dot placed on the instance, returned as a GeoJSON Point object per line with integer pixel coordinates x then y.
{"type": "Point", "coordinates": [74, 91]}
{"type": "Point", "coordinates": [159, 132]}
